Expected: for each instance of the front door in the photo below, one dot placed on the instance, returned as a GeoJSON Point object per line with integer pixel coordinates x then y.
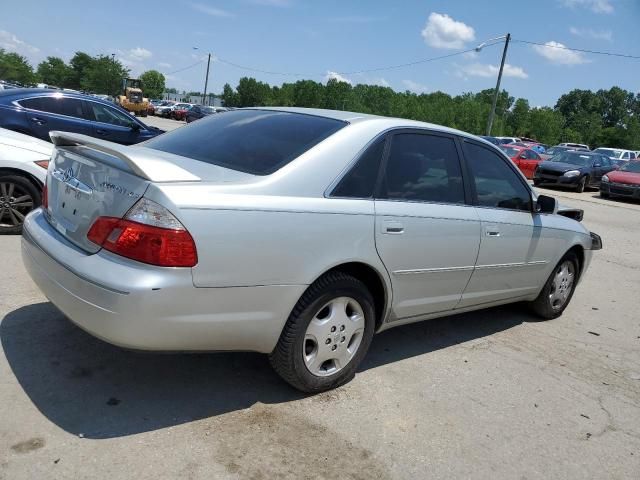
{"type": "Point", "coordinates": [426, 234]}
{"type": "Point", "coordinates": [57, 112]}
{"type": "Point", "coordinates": [514, 253]}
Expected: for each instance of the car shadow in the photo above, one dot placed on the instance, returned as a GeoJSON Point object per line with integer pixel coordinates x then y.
{"type": "Point", "coordinates": [614, 200]}
{"type": "Point", "coordinates": [86, 386]}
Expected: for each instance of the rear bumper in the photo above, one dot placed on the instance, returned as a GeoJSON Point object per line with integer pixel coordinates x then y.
{"type": "Point", "coordinates": [151, 308]}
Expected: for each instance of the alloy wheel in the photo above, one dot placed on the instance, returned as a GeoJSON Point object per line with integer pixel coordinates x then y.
{"type": "Point", "coordinates": [15, 203]}
{"type": "Point", "coordinates": [562, 284]}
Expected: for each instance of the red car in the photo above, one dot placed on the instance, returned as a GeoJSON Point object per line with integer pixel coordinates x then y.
{"type": "Point", "coordinates": [526, 160]}
{"type": "Point", "coordinates": [624, 182]}
{"type": "Point", "coordinates": [180, 111]}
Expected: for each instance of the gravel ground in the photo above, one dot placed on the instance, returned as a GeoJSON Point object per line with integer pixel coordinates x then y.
{"type": "Point", "coordinates": [492, 394]}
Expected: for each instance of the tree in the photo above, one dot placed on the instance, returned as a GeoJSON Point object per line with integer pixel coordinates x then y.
{"type": "Point", "coordinates": [518, 120]}
{"type": "Point", "coordinates": [79, 64]}
{"type": "Point", "coordinates": [104, 75]}
{"type": "Point", "coordinates": [229, 96]}
{"type": "Point", "coordinates": [252, 93]}
{"type": "Point", "coordinates": [15, 68]}
{"type": "Point", "coordinates": [53, 71]}
{"type": "Point", "coordinates": [171, 90]}
{"type": "Point", "coordinates": [152, 84]}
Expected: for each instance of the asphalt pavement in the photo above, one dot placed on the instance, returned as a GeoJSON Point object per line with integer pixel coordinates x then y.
{"type": "Point", "coordinates": [493, 394]}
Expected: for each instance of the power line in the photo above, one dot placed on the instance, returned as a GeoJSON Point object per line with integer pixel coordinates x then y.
{"type": "Point", "coordinates": [562, 47]}
{"type": "Point", "coordinates": [185, 68]}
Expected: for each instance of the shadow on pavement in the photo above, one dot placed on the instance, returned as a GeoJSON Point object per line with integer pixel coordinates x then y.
{"type": "Point", "coordinates": [86, 386]}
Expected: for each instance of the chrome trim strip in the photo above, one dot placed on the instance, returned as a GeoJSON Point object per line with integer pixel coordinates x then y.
{"type": "Point", "coordinates": [419, 271]}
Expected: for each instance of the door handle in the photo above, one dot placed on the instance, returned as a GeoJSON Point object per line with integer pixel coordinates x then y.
{"type": "Point", "coordinates": [38, 121]}
{"type": "Point", "coordinates": [491, 231]}
{"type": "Point", "coordinates": [392, 227]}
{"type": "Point", "coordinates": [100, 131]}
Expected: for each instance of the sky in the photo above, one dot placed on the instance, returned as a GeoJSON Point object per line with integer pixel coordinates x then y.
{"type": "Point", "coordinates": [321, 39]}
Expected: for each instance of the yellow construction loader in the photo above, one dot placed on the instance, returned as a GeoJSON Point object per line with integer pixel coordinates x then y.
{"type": "Point", "coordinates": [132, 99]}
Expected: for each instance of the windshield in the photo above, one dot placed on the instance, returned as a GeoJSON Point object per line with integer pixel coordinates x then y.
{"type": "Point", "coordinates": [609, 152]}
{"type": "Point", "coordinates": [252, 141]}
{"type": "Point", "coordinates": [511, 152]}
{"type": "Point", "coordinates": [633, 167]}
{"type": "Point", "coordinates": [573, 158]}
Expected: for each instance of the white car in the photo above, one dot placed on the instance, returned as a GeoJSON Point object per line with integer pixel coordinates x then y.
{"type": "Point", "coordinates": [507, 140]}
{"type": "Point", "coordinates": [617, 153]}
{"type": "Point", "coordinates": [23, 169]}
{"type": "Point", "coordinates": [574, 145]}
{"type": "Point", "coordinates": [294, 232]}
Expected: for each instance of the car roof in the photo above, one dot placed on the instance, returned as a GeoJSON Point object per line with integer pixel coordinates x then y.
{"type": "Point", "coordinates": [382, 122]}
{"type": "Point", "coordinates": [39, 92]}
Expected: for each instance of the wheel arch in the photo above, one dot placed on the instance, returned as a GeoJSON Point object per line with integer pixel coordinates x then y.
{"type": "Point", "coordinates": [21, 173]}
{"type": "Point", "coordinates": [579, 252]}
{"type": "Point", "coordinates": [374, 281]}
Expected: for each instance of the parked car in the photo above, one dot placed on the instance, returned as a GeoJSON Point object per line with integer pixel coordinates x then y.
{"type": "Point", "coordinates": [573, 169]}
{"type": "Point", "coordinates": [624, 182]}
{"type": "Point", "coordinates": [37, 112]}
{"type": "Point", "coordinates": [23, 169]}
{"type": "Point", "coordinates": [199, 111]}
{"type": "Point", "coordinates": [179, 112]}
{"type": "Point", "coordinates": [507, 140]}
{"type": "Point", "coordinates": [525, 159]}
{"type": "Point", "coordinates": [575, 145]}
{"type": "Point", "coordinates": [552, 151]}
{"type": "Point", "coordinates": [618, 155]}
{"type": "Point", "coordinates": [288, 244]}
{"type": "Point", "coordinates": [164, 108]}
{"type": "Point", "coordinates": [494, 140]}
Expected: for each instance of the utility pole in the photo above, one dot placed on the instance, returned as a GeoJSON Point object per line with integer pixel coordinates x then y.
{"type": "Point", "coordinates": [497, 92]}
{"type": "Point", "coordinates": [206, 82]}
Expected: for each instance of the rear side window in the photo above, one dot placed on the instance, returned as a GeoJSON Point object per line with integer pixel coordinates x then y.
{"type": "Point", "coordinates": [361, 179]}
{"type": "Point", "coordinates": [496, 184]}
{"type": "Point", "coordinates": [252, 141]}
{"type": "Point", "coordinates": [423, 168]}
{"type": "Point", "coordinates": [71, 107]}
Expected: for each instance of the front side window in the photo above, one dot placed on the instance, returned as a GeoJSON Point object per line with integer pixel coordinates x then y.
{"type": "Point", "coordinates": [423, 168]}
{"type": "Point", "coordinates": [71, 107]}
{"type": "Point", "coordinates": [496, 184]}
{"type": "Point", "coordinates": [360, 181]}
{"type": "Point", "coordinates": [105, 114]}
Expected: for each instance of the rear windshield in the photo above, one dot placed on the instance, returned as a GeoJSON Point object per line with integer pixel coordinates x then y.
{"type": "Point", "coordinates": [252, 141]}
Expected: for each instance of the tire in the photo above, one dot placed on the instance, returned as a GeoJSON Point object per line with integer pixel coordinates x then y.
{"type": "Point", "coordinates": [544, 306]}
{"type": "Point", "coordinates": [18, 196]}
{"type": "Point", "coordinates": [604, 195]}
{"type": "Point", "coordinates": [536, 183]}
{"type": "Point", "coordinates": [582, 184]}
{"type": "Point", "coordinates": [322, 303]}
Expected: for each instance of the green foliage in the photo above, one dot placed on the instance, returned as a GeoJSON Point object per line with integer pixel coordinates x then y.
{"type": "Point", "coordinates": [79, 64]}
{"type": "Point", "coordinates": [53, 71]}
{"type": "Point", "coordinates": [104, 75]}
{"type": "Point", "coordinates": [171, 90]}
{"type": "Point", "coordinates": [15, 68]}
{"type": "Point", "coordinates": [152, 84]}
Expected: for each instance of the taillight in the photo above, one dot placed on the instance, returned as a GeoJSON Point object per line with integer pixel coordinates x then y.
{"type": "Point", "coordinates": [42, 163]}
{"type": "Point", "coordinates": [148, 233]}
{"type": "Point", "coordinates": [45, 196]}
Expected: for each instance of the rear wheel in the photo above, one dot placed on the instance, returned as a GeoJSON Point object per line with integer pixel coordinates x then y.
{"type": "Point", "coordinates": [18, 196]}
{"type": "Point", "coordinates": [327, 334]}
{"type": "Point", "coordinates": [558, 290]}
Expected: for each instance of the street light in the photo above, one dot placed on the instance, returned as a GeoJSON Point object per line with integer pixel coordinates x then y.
{"type": "Point", "coordinates": [492, 113]}
{"type": "Point", "coordinates": [206, 79]}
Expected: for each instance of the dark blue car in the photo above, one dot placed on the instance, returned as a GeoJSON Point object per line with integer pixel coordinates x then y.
{"type": "Point", "coordinates": [36, 112]}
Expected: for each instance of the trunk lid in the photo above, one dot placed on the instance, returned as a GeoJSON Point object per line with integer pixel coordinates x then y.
{"type": "Point", "coordinates": [89, 178]}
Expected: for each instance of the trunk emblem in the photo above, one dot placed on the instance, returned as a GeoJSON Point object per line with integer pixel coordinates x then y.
{"type": "Point", "coordinates": [68, 177]}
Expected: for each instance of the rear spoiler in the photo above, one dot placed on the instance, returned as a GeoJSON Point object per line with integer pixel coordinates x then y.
{"type": "Point", "coordinates": [139, 161]}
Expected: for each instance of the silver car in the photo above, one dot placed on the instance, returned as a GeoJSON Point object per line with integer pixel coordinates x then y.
{"type": "Point", "coordinates": [293, 232]}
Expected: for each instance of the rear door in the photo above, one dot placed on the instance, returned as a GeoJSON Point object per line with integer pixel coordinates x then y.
{"type": "Point", "coordinates": [55, 112]}
{"type": "Point", "coordinates": [109, 123]}
{"type": "Point", "coordinates": [529, 163]}
{"type": "Point", "coordinates": [601, 165]}
{"type": "Point", "coordinates": [426, 234]}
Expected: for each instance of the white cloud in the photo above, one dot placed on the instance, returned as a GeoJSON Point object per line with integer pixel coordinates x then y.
{"type": "Point", "coordinates": [11, 43]}
{"type": "Point", "coordinates": [557, 53]}
{"type": "Point", "coordinates": [442, 31]}
{"type": "Point", "coordinates": [164, 65]}
{"type": "Point", "coordinates": [590, 33]}
{"type": "Point", "coordinates": [415, 87]}
{"type": "Point", "coordinates": [140, 54]}
{"type": "Point", "coordinates": [336, 76]}
{"type": "Point", "coordinates": [381, 82]}
{"type": "Point", "coordinates": [486, 70]}
{"type": "Point", "coordinates": [212, 11]}
{"type": "Point", "coordinates": [596, 6]}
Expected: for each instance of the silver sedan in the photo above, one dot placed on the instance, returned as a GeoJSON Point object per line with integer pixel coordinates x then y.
{"type": "Point", "coordinates": [297, 233]}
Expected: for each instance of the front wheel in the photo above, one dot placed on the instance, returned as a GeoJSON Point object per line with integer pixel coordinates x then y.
{"type": "Point", "coordinates": [582, 184]}
{"type": "Point", "coordinates": [558, 290]}
{"type": "Point", "coordinates": [603, 194]}
{"type": "Point", "coordinates": [536, 182]}
{"type": "Point", "coordinates": [327, 334]}
{"type": "Point", "coordinates": [18, 196]}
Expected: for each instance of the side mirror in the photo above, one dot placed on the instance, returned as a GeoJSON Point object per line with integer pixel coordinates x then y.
{"type": "Point", "coordinates": [546, 204]}
{"type": "Point", "coordinates": [135, 127]}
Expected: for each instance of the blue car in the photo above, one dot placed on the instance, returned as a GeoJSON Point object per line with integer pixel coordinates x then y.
{"type": "Point", "coordinates": [36, 112]}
